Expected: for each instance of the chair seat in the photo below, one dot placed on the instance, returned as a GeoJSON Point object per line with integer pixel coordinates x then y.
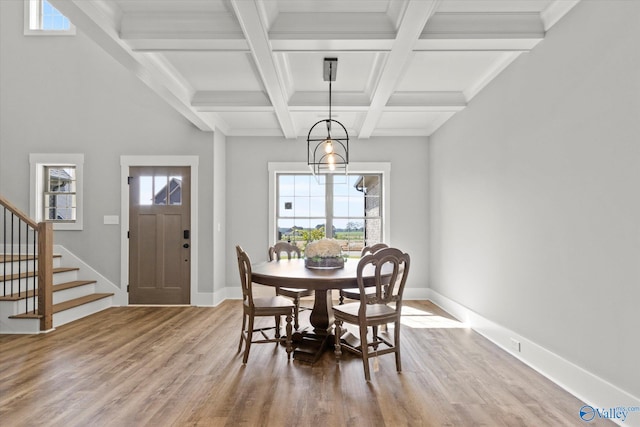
{"type": "Point", "coordinates": [272, 303]}
{"type": "Point", "coordinates": [374, 312]}
{"type": "Point", "coordinates": [295, 292]}
{"type": "Point", "coordinates": [354, 293]}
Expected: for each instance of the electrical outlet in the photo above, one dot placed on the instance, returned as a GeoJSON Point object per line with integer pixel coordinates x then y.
{"type": "Point", "coordinates": [515, 345]}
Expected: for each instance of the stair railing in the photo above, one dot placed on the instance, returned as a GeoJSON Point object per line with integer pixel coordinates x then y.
{"type": "Point", "coordinates": [24, 242]}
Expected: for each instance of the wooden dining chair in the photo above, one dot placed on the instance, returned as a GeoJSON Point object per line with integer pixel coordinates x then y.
{"type": "Point", "coordinates": [354, 293]}
{"type": "Point", "coordinates": [276, 306]}
{"type": "Point", "coordinates": [292, 251]}
{"type": "Point", "coordinates": [391, 268]}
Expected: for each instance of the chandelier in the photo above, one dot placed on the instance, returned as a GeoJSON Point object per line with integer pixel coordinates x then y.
{"type": "Point", "coordinates": [330, 153]}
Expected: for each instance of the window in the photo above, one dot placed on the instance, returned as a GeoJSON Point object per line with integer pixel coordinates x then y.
{"type": "Point", "coordinates": [59, 195]}
{"type": "Point", "coordinates": [160, 190]}
{"type": "Point", "coordinates": [42, 18]}
{"type": "Point", "coordinates": [56, 189]}
{"type": "Point", "coordinates": [348, 208]}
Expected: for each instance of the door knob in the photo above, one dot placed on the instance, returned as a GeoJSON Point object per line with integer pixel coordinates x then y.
{"type": "Point", "coordinates": [186, 245]}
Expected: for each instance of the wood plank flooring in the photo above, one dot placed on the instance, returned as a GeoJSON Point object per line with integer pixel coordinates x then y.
{"type": "Point", "coordinates": [178, 366]}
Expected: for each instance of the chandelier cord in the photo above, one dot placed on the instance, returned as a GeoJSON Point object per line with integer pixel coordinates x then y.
{"type": "Point", "coordinates": [330, 78]}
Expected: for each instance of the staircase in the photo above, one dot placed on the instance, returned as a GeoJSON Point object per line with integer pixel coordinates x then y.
{"type": "Point", "coordinates": [73, 298]}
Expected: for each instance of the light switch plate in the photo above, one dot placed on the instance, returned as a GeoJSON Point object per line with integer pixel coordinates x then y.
{"type": "Point", "coordinates": [112, 219]}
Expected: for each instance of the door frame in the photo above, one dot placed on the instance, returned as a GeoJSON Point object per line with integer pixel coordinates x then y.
{"type": "Point", "coordinates": [125, 163]}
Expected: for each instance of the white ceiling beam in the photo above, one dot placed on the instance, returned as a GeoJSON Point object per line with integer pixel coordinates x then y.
{"type": "Point", "coordinates": [256, 101]}
{"type": "Point", "coordinates": [426, 101]}
{"type": "Point", "coordinates": [231, 101]}
{"type": "Point", "coordinates": [305, 45]}
{"type": "Point", "coordinates": [260, 132]}
{"type": "Point", "coordinates": [285, 73]}
{"type": "Point", "coordinates": [480, 44]}
{"type": "Point", "coordinates": [428, 130]}
{"type": "Point", "coordinates": [416, 15]}
{"type": "Point", "coordinates": [90, 17]}
{"type": "Point", "coordinates": [319, 101]}
{"type": "Point", "coordinates": [248, 15]}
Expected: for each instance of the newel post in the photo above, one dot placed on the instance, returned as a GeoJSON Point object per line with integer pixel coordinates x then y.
{"type": "Point", "coordinates": [45, 275]}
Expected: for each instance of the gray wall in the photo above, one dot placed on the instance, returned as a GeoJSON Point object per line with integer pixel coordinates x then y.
{"type": "Point", "coordinates": [219, 222]}
{"type": "Point", "coordinates": [535, 208]}
{"type": "Point", "coordinates": [248, 194]}
{"type": "Point", "coordinates": [65, 95]}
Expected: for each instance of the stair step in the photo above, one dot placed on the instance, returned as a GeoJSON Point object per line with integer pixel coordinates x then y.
{"type": "Point", "coordinates": [59, 287]}
{"type": "Point", "coordinates": [73, 284]}
{"type": "Point", "coordinates": [32, 274]}
{"type": "Point", "coordinates": [79, 301]}
{"type": "Point", "coordinates": [66, 305]}
{"type": "Point", "coordinates": [14, 258]}
{"type": "Point", "coordinates": [17, 297]}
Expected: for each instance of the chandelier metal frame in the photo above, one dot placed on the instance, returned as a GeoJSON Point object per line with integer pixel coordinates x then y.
{"type": "Point", "coordinates": [329, 154]}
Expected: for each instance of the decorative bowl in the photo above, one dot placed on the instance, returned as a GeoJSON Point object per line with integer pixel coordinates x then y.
{"type": "Point", "coordinates": [324, 263]}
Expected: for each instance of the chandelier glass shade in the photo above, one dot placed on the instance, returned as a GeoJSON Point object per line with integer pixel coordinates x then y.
{"type": "Point", "coordinates": [328, 139]}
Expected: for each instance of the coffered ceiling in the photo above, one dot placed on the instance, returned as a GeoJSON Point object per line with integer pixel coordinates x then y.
{"type": "Point", "coordinates": [255, 67]}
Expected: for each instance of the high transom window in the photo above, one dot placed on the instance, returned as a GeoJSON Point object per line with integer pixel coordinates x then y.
{"type": "Point", "coordinates": [41, 18]}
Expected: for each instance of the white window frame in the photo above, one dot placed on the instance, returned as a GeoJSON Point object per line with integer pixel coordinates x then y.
{"type": "Point", "coordinates": [383, 168]}
{"type": "Point", "coordinates": [38, 162]}
{"type": "Point", "coordinates": [32, 11]}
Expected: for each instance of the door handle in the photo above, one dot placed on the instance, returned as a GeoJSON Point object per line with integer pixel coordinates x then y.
{"type": "Point", "coordinates": [186, 245]}
{"type": "Point", "coordinates": [185, 233]}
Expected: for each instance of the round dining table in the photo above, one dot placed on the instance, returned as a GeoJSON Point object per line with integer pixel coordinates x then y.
{"type": "Point", "coordinates": [293, 273]}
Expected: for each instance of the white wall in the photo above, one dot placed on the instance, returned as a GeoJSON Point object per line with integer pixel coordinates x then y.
{"type": "Point", "coordinates": [248, 195]}
{"type": "Point", "coordinates": [535, 196]}
{"type": "Point", "coordinates": [66, 95]}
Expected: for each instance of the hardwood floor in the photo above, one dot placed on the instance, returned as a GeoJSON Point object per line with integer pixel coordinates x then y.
{"type": "Point", "coordinates": [178, 366]}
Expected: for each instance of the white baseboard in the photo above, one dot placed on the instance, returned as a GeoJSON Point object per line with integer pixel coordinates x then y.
{"type": "Point", "coordinates": [213, 299]}
{"type": "Point", "coordinates": [589, 388]}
